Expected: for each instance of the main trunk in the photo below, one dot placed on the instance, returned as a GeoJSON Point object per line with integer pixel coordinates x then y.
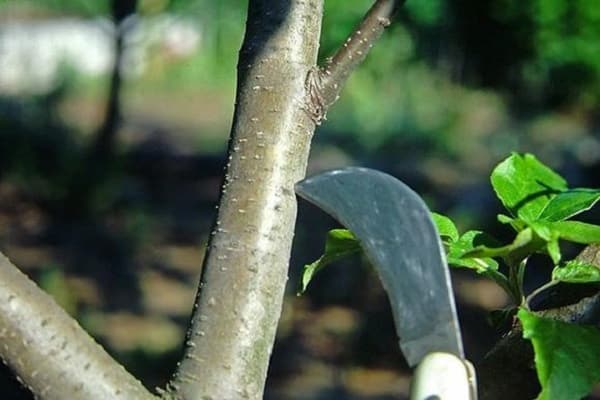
{"type": "Point", "coordinates": [245, 270]}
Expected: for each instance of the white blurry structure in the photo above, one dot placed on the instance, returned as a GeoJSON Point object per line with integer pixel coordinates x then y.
{"type": "Point", "coordinates": [32, 52]}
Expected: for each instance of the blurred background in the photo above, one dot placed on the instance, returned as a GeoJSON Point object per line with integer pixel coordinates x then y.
{"type": "Point", "coordinates": [114, 120]}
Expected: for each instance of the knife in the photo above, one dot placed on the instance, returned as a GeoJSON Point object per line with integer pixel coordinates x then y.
{"type": "Point", "coordinates": [400, 239]}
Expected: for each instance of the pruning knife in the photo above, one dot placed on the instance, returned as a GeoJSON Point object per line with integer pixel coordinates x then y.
{"type": "Point", "coordinates": [400, 239]}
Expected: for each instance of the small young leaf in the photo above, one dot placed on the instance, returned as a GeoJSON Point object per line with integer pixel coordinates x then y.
{"type": "Point", "coordinates": [576, 272]}
{"type": "Point", "coordinates": [575, 231]}
{"type": "Point", "coordinates": [485, 266]}
{"type": "Point", "coordinates": [553, 250]}
{"type": "Point", "coordinates": [543, 230]}
{"type": "Point", "coordinates": [340, 243]}
{"type": "Point", "coordinates": [340, 240]}
{"type": "Point", "coordinates": [505, 219]}
{"type": "Point", "coordinates": [470, 241]}
{"type": "Point", "coordinates": [522, 239]}
{"type": "Point", "coordinates": [467, 243]}
{"type": "Point", "coordinates": [480, 265]}
{"type": "Point", "coordinates": [525, 186]}
{"type": "Point", "coordinates": [445, 226]}
{"type": "Point", "coordinates": [570, 203]}
{"type": "Point", "coordinates": [567, 356]}
{"type": "Point", "coordinates": [516, 223]}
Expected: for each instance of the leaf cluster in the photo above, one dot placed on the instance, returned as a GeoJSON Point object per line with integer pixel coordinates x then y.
{"type": "Point", "coordinates": [539, 208]}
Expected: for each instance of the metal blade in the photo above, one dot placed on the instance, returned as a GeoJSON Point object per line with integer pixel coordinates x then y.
{"type": "Point", "coordinates": [400, 239]}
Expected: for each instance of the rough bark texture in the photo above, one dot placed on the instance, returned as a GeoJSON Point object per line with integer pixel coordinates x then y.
{"type": "Point", "coordinates": [245, 270]}
{"type": "Point", "coordinates": [281, 96]}
{"type": "Point", "coordinates": [326, 83]}
{"type": "Point", "coordinates": [50, 353]}
{"type": "Point", "coordinates": [240, 295]}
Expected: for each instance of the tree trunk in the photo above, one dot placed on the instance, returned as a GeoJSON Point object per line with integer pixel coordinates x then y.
{"type": "Point", "coordinates": [245, 269]}
{"type": "Point", "coordinates": [281, 97]}
{"type": "Point", "coordinates": [105, 139]}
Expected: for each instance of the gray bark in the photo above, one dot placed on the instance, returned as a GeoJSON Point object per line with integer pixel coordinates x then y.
{"type": "Point", "coordinates": [281, 96]}
{"type": "Point", "coordinates": [245, 270]}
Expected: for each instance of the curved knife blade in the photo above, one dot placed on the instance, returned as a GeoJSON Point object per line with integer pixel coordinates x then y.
{"type": "Point", "coordinates": [400, 239]}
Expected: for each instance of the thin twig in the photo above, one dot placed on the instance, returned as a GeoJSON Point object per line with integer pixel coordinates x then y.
{"type": "Point", "coordinates": [325, 83]}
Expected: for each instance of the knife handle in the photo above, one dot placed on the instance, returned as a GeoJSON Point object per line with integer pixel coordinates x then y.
{"type": "Point", "coordinates": [444, 376]}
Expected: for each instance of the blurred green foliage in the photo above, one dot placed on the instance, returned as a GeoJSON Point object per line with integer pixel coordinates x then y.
{"type": "Point", "coordinates": [544, 53]}
{"type": "Point", "coordinates": [63, 7]}
{"type": "Point", "coordinates": [53, 280]}
{"type": "Point", "coordinates": [536, 57]}
{"type": "Point", "coordinates": [540, 43]}
{"type": "Point", "coordinates": [565, 50]}
{"type": "Point", "coordinates": [451, 78]}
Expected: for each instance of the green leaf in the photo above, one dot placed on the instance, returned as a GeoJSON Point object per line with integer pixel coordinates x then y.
{"type": "Point", "coordinates": [505, 219]}
{"type": "Point", "coordinates": [553, 250]}
{"type": "Point", "coordinates": [469, 241]}
{"type": "Point", "coordinates": [485, 266]}
{"type": "Point", "coordinates": [516, 223]}
{"type": "Point", "coordinates": [575, 231]}
{"type": "Point", "coordinates": [457, 252]}
{"type": "Point", "coordinates": [575, 271]}
{"type": "Point", "coordinates": [522, 239]}
{"type": "Point", "coordinates": [340, 243]}
{"type": "Point", "coordinates": [570, 203]}
{"type": "Point", "coordinates": [543, 230]}
{"type": "Point", "coordinates": [480, 265]}
{"type": "Point", "coordinates": [567, 356]}
{"type": "Point", "coordinates": [525, 186]}
{"type": "Point", "coordinates": [445, 226]}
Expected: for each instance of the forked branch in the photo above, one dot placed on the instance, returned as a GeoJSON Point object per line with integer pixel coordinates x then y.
{"type": "Point", "coordinates": [245, 270]}
{"type": "Point", "coordinates": [325, 83]}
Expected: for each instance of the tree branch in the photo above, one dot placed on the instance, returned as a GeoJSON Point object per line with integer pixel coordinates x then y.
{"type": "Point", "coordinates": [245, 269]}
{"type": "Point", "coordinates": [243, 279]}
{"type": "Point", "coordinates": [324, 84]}
{"type": "Point", "coordinates": [50, 353]}
{"type": "Point", "coordinates": [240, 295]}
